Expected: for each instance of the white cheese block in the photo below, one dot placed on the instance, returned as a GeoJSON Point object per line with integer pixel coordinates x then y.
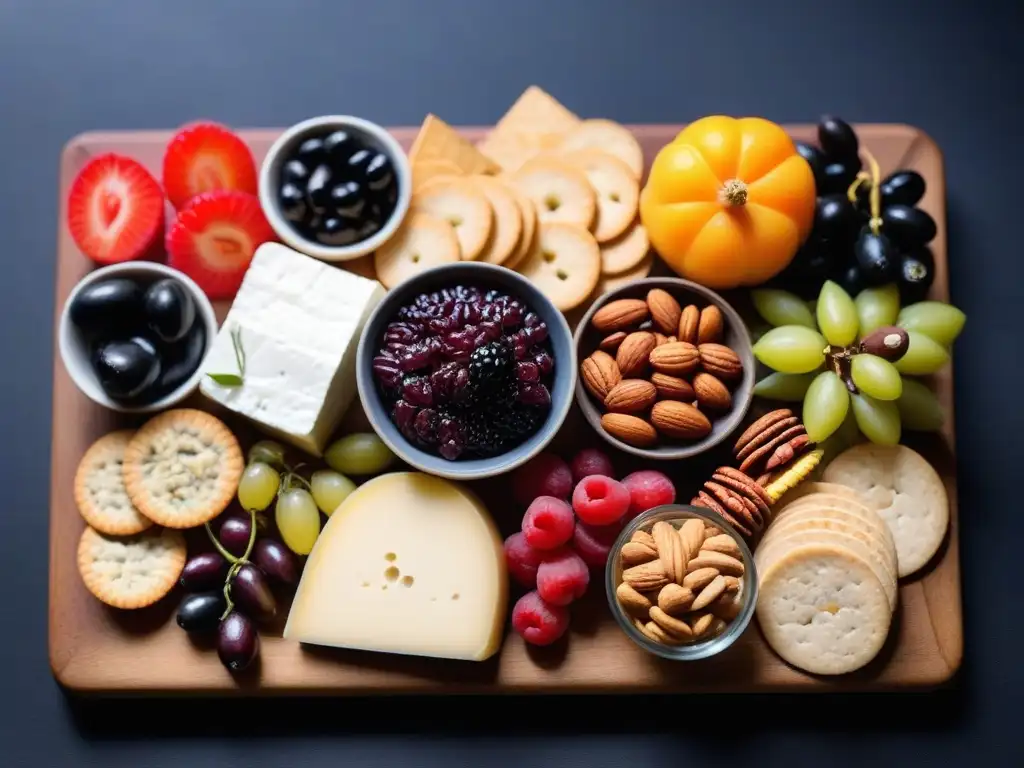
{"type": "Point", "coordinates": [300, 321]}
{"type": "Point", "coordinates": [410, 564]}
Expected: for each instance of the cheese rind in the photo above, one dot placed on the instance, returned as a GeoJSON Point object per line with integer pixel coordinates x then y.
{"type": "Point", "coordinates": [300, 321]}
{"type": "Point", "coordinates": [409, 564]}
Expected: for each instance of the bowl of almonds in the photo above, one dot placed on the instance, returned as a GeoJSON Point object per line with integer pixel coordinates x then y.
{"type": "Point", "coordinates": [681, 582]}
{"type": "Point", "coordinates": [666, 368]}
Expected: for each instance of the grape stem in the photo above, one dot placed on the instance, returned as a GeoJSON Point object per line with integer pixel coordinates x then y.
{"type": "Point", "coordinates": [874, 179]}
{"type": "Point", "coordinates": [236, 562]}
{"type": "Point", "coordinates": [840, 359]}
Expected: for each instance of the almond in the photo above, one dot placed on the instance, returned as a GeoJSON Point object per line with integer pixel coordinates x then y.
{"type": "Point", "coordinates": [692, 534]}
{"type": "Point", "coordinates": [670, 624]}
{"type": "Point", "coordinates": [679, 420]}
{"type": "Point", "coordinates": [671, 550]}
{"type": "Point", "coordinates": [678, 358]}
{"type": "Point", "coordinates": [631, 600]}
{"type": "Point", "coordinates": [724, 564]}
{"type": "Point", "coordinates": [611, 343]}
{"type": "Point", "coordinates": [673, 388]}
{"type": "Point", "coordinates": [631, 396]}
{"type": "Point", "coordinates": [661, 635]}
{"type": "Point", "coordinates": [721, 361]}
{"type": "Point", "coordinates": [643, 537]}
{"type": "Point", "coordinates": [646, 577]}
{"type": "Point", "coordinates": [629, 429]}
{"type": "Point", "coordinates": [732, 585]}
{"type": "Point", "coordinates": [726, 607]}
{"type": "Point", "coordinates": [689, 322]}
{"type": "Point", "coordinates": [674, 599]}
{"type": "Point", "coordinates": [634, 352]}
{"type": "Point", "coordinates": [619, 315]}
{"type": "Point", "coordinates": [699, 578]}
{"type": "Point", "coordinates": [703, 624]}
{"type": "Point", "coordinates": [635, 553]}
{"type": "Point", "coordinates": [711, 592]}
{"type": "Point", "coordinates": [711, 325]}
{"type": "Point", "coordinates": [665, 310]}
{"type": "Point", "coordinates": [659, 339]}
{"type": "Point", "coordinates": [600, 374]}
{"type": "Point", "coordinates": [723, 543]}
{"type": "Point", "coordinates": [712, 394]}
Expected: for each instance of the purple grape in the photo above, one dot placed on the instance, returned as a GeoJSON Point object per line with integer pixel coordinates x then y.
{"type": "Point", "coordinates": [204, 571]}
{"type": "Point", "coordinates": [234, 534]}
{"type": "Point", "coordinates": [250, 592]}
{"type": "Point", "coordinates": [277, 561]}
{"type": "Point", "coordinates": [238, 643]}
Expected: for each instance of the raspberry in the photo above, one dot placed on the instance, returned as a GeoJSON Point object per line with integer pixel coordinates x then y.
{"type": "Point", "coordinates": [599, 500]}
{"type": "Point", "coordinates": [648, 488]}
{"type": "Point", "coordinates": [594, 542]}
{"type": "Point", "coordinates": [590, 461]}
{"type": "Point", "coordinates": [543, 475]}
{"type": "Point", "coordinates": [522, 560]}
{"type": "Point", "coordinates": [548, 523]}
{"type": "Point", "coordinates": [562, 577]}
{"type": "Point", "coordinates": [538, 622]}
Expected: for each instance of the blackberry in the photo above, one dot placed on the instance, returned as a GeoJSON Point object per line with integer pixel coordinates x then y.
{"type": "Point", "coordinates": [482, 436]}
{"type": "Point", "coordinates": [490, 363]}
{"type": "Point", "coordinates": [519, 423]}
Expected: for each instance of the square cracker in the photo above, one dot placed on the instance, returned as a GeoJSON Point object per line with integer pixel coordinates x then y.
{"type": "Point", "coordinates": [535, 123]}
{"type": "Point", "coordinates": [438, 143]}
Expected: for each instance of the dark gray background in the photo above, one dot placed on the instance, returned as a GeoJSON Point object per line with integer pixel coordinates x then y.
{"type": "Point", "coordinates": [70, 66]}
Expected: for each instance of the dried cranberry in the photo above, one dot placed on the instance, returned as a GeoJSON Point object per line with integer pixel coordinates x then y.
{"type": "Point", "coordinates": [531, 320]}
{"type": "Point", "coordinates": [386, 371]}
{"type": "Point", "coordinates": [426, 425]}
{"type": "Point", "coordinates": [527, 371]}
{"type": "Point", "coordinates": [544, 362]}
{"type": "Point", "coordinates": [417, 390]}
{"type": "Point", "coordinates": [403, 415]}
{"type": "Point", "coordinates": [534, 394]}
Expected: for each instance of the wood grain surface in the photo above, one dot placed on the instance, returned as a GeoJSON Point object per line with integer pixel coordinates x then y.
{"type": "Point", "coordinates": [94, 649]}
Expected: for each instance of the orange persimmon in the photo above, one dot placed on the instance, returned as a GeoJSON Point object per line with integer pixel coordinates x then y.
{"type": "Point", "coordinates": [729, 201]}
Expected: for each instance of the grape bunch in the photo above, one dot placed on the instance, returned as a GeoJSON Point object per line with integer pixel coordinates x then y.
{"type": "Point", "coordinates": [849, 359]}
{"type": "Point", "coordinates": [229, 590]}
{"type": "Point", "coordinates": [867, 230]}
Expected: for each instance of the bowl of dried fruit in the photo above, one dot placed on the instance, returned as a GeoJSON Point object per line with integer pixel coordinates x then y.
{"type": "Point", "coordinates": [666, 369]}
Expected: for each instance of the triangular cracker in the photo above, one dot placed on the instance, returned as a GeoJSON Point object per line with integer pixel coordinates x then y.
{"type": "Point", "coordinates": [438, 141]}
{"type": "Point", "coordinates": [536, 122]}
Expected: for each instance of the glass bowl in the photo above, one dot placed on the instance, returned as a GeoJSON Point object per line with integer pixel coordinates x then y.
{"type": "Point", "coordinates": [701, 648]}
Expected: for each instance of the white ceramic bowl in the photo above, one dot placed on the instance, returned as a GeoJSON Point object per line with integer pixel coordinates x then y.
{"type": "Point", "coordinates": [74, 351]}
{"type": "Point", "coordinates": [279, 153]}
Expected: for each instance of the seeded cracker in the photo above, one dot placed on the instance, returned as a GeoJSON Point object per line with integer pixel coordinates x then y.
{"type": "Point", "coordinates": [132, 571]}
{"type": "Point", "coordinates": [182, 468]}
{"type": "Point", "coordinates": [99, 488]}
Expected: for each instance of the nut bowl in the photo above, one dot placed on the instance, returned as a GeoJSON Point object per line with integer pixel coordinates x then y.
{"type": "Point", "coordinates": [714, 627]}
{"type": "Point", "coordinates": [733, 335]}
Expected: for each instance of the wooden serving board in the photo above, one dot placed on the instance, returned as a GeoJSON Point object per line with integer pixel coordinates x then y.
{"type": "Point", "coordinates": [96, 649]}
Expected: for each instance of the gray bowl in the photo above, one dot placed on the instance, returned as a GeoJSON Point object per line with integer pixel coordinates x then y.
{"type": "Point", "coordinates": [484, 276]}
{"type": "Point", "coordinates": [736, 337]}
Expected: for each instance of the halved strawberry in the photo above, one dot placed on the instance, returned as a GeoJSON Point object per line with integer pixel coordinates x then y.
{"type": "Point", "coordinates": [115, 209]}
{"type": "Point", "coordinates": [214, 237]}
{"type": "Point", "coordinates": [203, 157]}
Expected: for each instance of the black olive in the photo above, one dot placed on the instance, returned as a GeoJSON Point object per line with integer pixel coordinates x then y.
{"type": "Point", "coordinates": [348, 199]}
{"type": "Point", "coordinates": [902, 187]}
{"type": "Point", "coordinates": [108, 306]}
{"type": "Point", "coordinates": [835, 217]}
{"type": "Point", "coordinates": [335, 231]}
{"type": "Point", "coordinates": [318, 189]}
{"type": "Point", "coordinates": [311, 151]}
{"type": "Point", "coordinates": [339, 146]}
{"type": "Point", "coordinates": [201, 612]}
{"type": "Point", "coordinates": [908, 227]}
{"type": "Point", "coordinates": [850, 279]}
{"type": "Point", "coordinates": [238, 643]}
{"type": "Point", "coordinates": [837, 178]}
{"type": "Point", "coordinates": [180, 361]}
{"type": "Point", "coordinates": [378, 172]}
{"type": "Point", "coordinates": [170, 310]}
{"type": "Point", "coordinates": [837, 139]}
{"type": "Point", "coordinates": [293, 203]}
{"type": "Point", "coordinates": [808, 269]}
{"type": "Point", "coordinates": [814, 158]}
{"type": "Point", "coordinates": [126, 368]}
{"type": "Point", "coordinates": [357, 163]}
{"type": "Point", "coordinates": [876, 257]}
{"type": "Point", "coordinates": [917, 273]}
{"type": "Point", "coordinates": [295, 171]}
{"type": "Point", "coordinates": [369, 228]}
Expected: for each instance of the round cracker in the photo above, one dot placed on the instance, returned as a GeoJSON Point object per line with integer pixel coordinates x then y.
{"type": "Point", "coordinates": [829, 520]}
{"type": "Point", "coordinates": [846, 509]}
{"type": "Point", "coordinates": [182, 468]}
{"type": "Point", "coordinates": [132, 571]}
{"type": "Point", "coordinates": [508, 221]}
{"type": "Point", "coordinates": [615, 187]}
{"type": "Point", "coordinates": [425, 171]}
{"type": "Point", "coordinates": [608, 283]}
{"type": "Point", "coordinates": [809, 487]}
{"type": "Point", "coordinates": [768, 555]}
{"type": "Point", "coordinates": [823, 610]}
{"type": "Point", "coordinates": [460, 202]}
{"type": "Point", "coordinates": [559, 192]}
{"type": "Point", "coordinates": [100, 494]}
{"type": "Point", "coordinates": [528, 212]}
{"type": "Point", "coordinates": [907, 492]}
{"type": "Point", "coordinates": [607, 136]}
{"type": "Point", "coordinates": [626, 251]}
{"type": "Point", "coordinates": [422, 242]}
{"type": "Point", "coordinates": [565, 264]}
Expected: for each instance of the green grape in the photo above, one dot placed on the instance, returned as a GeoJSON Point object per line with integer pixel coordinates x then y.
{"type": "Point", "coordinates": [877, 307]}
{"type": "Point", "coordinates": [845, 437]}
{"type": "Point", "coordinates": [879, 420]}
{"type": "Point", "coordinates": [330, 488]}
{"type": "Point", "coordinates": [298, 520]}
{"type": "Point", "coordinates": [919, 408]}
{"type": "Point", "coordinates": [790, 387]}
{"type": "Point", "coordinates": [791, 349]}
{"type": "Point", "coordinates": [268, 452]}
{"type": "Point", "coordinates": [825, 406]}
{"type": "Point", "coordinates": [781, 307]}
{"type": "Point", "coordinates": [941, 322]}
{"type": "Point", "coordinates": [923, 356]}
{"type": "Point", "coordinates": [876, 377]}
{"type": "Point", "coordinates": [258, 486]}
{"type": "Point", "coordinates": [837, 314]}
{"type": "Point", "coordinates": [362, 453]}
